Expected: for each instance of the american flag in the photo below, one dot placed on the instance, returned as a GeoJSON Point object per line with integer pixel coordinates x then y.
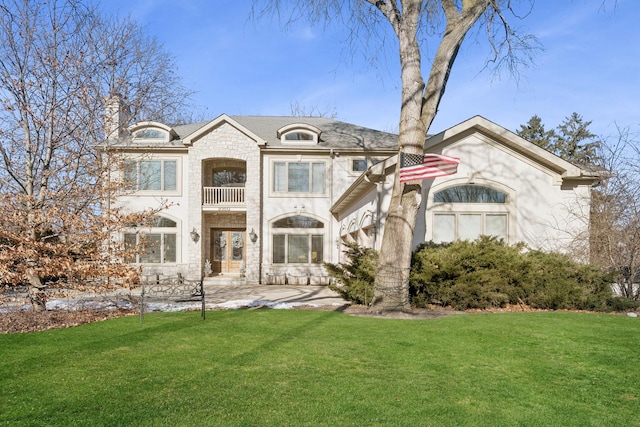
{"type": "Point", "coordinates": [416, 167]}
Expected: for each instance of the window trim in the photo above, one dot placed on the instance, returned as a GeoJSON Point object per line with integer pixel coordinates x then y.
{"type": "Point", "coordinates": [136, 187]}
{"type": "Point", "coordinates": [286, 193]}
{"type": "Point", "coordinates": [169, 133]}
{"type": "Point", "coordinates": [484, 208]}
{"type": "Point", "coordinates": [311, 233]}
{"type": "Point", "coordinates": [139, 232]}
{"type": "Point", "coordinates": [310, 236]}
{"type": "Point", "coordinates": [483, 223]}
{"type": "Point", "coordinates": [355, 159]}
{"type": "Point", "coordinates": [303, 128]}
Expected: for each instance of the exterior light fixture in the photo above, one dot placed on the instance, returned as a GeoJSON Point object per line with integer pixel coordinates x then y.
{"type": "Point", "coordinates": [253, 236]}
{"type": "Point", "coordinates": [194, 236]}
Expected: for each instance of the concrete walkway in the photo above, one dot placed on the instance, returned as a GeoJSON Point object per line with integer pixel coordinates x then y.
{"type": "Point", "coordinates": [299, 294]}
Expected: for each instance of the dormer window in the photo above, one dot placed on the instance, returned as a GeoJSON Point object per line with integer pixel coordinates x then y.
{"type": "Point", "coordinates": [152, 132]}
{"type": "Point", "coordinates": [299, 134]}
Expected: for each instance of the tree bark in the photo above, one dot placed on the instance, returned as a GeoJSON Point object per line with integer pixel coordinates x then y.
{"type": "Point", "coordinates": [37, 293]}
{"type": "Point", "coordinates": [418, 109]}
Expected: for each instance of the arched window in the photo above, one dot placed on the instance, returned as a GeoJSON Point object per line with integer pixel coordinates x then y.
{"type": "Point", "coordinates": [470, 194]}
{"type": "Point", "coordinates": [296, 240]}
{"type": "Point", "coordinates": [465, 212]}
{"type": "Point", "coordinates": [299, 133]}
{"type": "Point", "coordinates": [151, 133]}
{"type": "Point", "coordinates": [155, 243]}
{"type": "Point", "coordinates": [298, 136]}
{"type": "Point", "coordinates": [298, 221]}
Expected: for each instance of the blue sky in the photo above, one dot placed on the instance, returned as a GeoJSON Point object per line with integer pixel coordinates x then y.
{"type": "Point", "coordinates": [590, 64]}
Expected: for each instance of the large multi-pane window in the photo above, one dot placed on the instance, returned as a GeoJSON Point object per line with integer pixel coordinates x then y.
{"type": "Point", "coordinates": [151, 175]}
{"type": "Point", "coordinates": [154, 245]}
{"type": "Point", "coordinates": [299, 177]}
{"type": "Point", "coordinates": [449, 227]}
{"type": "Point", "coordinates": [298, 240]}
{"type": "Point", "coordinates": [465, 219]}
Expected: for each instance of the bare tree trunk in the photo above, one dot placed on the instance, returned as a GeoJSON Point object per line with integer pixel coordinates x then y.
{"type": "Point", "coordinates": [37, 294]}
{"type": "Point", "coordinates": [418, 109]}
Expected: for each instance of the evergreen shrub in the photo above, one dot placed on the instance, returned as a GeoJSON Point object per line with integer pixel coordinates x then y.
{"type": "Point", "coordinates": [356, 277]}
{"type": "Point", "coordinates": [488, 273]}
{"type": "Point", "coordinates": [483, 274]}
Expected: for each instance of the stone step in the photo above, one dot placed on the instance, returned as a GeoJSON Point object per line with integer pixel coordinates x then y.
{"type": "Point", "coordinates": [224, 280]}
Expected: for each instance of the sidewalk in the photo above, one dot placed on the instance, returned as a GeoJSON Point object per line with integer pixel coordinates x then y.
{"type": "Point", "coordinates": [234, 296]}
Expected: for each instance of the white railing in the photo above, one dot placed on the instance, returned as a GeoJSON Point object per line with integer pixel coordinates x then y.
{"type": "Point", "coordinates": [222, 196]}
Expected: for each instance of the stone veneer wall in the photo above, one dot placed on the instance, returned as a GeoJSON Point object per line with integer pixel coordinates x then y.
{"type": "Point", "coordinates": [224, 141]}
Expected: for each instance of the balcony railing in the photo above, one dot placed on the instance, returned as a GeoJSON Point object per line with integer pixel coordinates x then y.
{"type": "Point", "coordinates": [213, 196]}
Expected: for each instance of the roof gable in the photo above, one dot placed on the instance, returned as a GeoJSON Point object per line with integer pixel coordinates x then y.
{"type": "Point", "coordinates": [215, 123]}
{"type": "Point", "coordinates": [490, 133]}
{"type": "Point", "coordinates": [508, 140]}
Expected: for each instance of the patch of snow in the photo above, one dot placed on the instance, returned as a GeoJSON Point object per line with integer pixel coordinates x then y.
{"type": "Point", "coordinates": [65, 304]}
{"type": "Point", "coordinates": [236, 304]}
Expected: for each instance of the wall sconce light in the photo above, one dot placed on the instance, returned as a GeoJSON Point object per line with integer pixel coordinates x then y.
{"type": "Point", "coordinates": [194, 236]}
{"type": "Point", "coordinates": [253, 236]}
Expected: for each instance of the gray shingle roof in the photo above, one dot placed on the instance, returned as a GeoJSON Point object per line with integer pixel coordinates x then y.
{"type": "Point", "coordinates": [335, 133]}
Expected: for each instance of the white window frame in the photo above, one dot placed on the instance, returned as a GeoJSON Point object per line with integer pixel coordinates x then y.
{"type": "Point", "coordinates": [310, 233]}
{"type": "Point", "coordinates": [483, 224]}
{"type": "Point", "coordinates": [285, 183]}
{"type": "Point", "coordinates": [135, 188]}
{"type": "Point", "coordinates": [301, 128]}
{"type": "Point", "coordinates": [460, 208]}
{"type": "Point", "coordinates": [140, 232]}
{"type": "Point", "coordinates": [356, 159]}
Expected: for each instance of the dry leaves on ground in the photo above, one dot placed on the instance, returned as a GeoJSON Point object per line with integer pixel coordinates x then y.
{"type": "Point", "coordinates": [31, 321]}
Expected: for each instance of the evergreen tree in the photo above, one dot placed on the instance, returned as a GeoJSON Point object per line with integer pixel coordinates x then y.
{"type": "Point", "coordinates": [534, 131]}
{"type": "Point", "coordinates": [571, 140]}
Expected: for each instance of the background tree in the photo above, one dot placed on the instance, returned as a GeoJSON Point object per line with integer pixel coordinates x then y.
{"type": "Point", "coordinates": [414, 26]}
{"type": "Point", "coordinates": [58, 60]}
{"type": "Point", "coordinates": [614, 218]}
{"type": "Point", "coordinates": [615, 212]}
{"type": "Point", "coordinates": [534, 131]}
{"type": "Point", "coordinates": [571, 140]}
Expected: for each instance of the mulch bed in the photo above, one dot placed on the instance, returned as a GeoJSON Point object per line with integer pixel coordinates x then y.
{"type": "Point", "coordinates": [32, 321]}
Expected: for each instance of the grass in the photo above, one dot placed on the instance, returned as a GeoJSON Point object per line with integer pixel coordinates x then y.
{"type": "Point", "coordinates": [291, 367]}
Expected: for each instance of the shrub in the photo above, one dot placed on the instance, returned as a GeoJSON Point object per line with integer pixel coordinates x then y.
{"type": "Point", "coordinates": [463, 274]}
{"type": "Point", "coordinates": [488, 273]}
{"type": "Point", "coordinates": [355, 277]}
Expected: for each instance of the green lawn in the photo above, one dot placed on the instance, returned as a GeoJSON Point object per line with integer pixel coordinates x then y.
{"type": "Point", "coordinates": [293, 367]}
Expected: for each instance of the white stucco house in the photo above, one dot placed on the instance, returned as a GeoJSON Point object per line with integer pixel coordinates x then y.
{"type": "Point", "coordinates": [269, 199]}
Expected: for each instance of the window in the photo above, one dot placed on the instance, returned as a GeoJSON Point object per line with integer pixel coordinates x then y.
{"type": "Point", "coordinates": [151, 175]}
{"type": "Point", "coordinates": [155, 245]}
{"type": "Point", "coordinates": [467, 219]}
{"type": "Point", "coordinates": [150, 133]}
{"type": "Point", "coordinates": [298, 136]}
{"type": "Point", "coordinates": [359, 165]}
{"type": "Point", "coordinates": [299, 177]}
{"type": "Point", "coordinates": [470, 194]}
{"type": "Point", "coordinates": [229, 178]}
{"type": "Point", "coordinates": [449, 227]}
{"type": "Point", "coordinates": [293, 243]}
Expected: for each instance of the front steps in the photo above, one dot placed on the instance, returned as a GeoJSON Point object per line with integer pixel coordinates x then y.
{"type": "Point", "coordinates": [224, 280]}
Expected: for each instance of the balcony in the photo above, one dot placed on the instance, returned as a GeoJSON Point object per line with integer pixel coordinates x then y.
{"type": "Point", "coordinates": [223, 197]}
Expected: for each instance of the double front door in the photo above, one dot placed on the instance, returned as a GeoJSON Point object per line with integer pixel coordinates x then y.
{"type": "Point", "coordinates": [228, 250]}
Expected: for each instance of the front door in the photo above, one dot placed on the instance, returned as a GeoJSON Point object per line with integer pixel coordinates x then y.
{"type": "Point", "coordinates": [227, 247]}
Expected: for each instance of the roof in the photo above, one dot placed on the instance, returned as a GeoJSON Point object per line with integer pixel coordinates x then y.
{"type": "Point", "coordinates": [334, 134]}
{"type": "Point", "coordinates": [436, 143]}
